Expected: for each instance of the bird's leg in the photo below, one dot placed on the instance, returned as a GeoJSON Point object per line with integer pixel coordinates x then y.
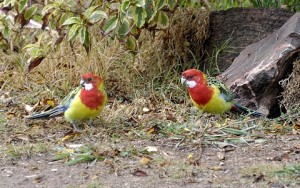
{"type": "Point", "coordinates": [74, 126]}
{"type": "Point", "coordinates": [90, 122]}
{"type": "Point", "coordinates": [199, 114]}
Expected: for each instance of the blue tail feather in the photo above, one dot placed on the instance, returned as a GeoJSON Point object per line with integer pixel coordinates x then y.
{"type": "Point", "coordinates": [242, 109]}
{"type": "Point", "coordinates": [57, 111]}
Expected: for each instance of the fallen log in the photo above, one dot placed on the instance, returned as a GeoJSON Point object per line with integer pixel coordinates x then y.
{"type": "Point", "coordinates": [255, 74]}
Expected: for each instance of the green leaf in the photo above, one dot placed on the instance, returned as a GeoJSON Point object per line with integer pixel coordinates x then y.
{"type": "Point", "coordinates": [30, 12]}
{"type": "Point", "coordinates": [62, 19]}
{"type": "Point", "coordinates": [139, 16]}
{"type": "Point", "coordinates": [110, 24]}
{"type": "Point", "coordinates": [124, 28]}
{"type": "Point", "coordinates": [163, 20]}
{"type": "Point", "coordinates": [96, 16]}
{"type": "Point", "coordinates": [48, 7]}
{"type": "Point", "coordinates": [140, 3]}
{"type": "Point", "coordinates": [89, 11]}
{"type": "Point", "coordinates": [124, 6]}
{"type": "Point", "coordinates": [131, 43]}
{"type": "Point", "coordinates": [6, 32]}
{"type": "Point", "coordinates": [22, 5]}
{"type": "Point", "coordinates": [74, 31]}
{"type": "Point", "coordinates": [6, 3]}
{"type": "Point", "coordinates": [87, 42]}
{"type": "Point", "coordinates": [72, 20]}
{"type": "Point", "coordinates": [81, 159]}
{"type": "Point", "coordinates": [61, 155]}
{"type": "Point", "coordinates": [234, 131]}
{"type": "Point", "coordinates": [159, 4]}
{"type": "Point", "coordinates": [171, 4]}
{"type": "Point", "coordinates": [83, 34]}
{"type": "Point", "coordinates": [134, 30]}
{"type": "Point", "coordinates": [149, 7]}
{"type": "Point", "coordinates": [29, 46]}
{"type": "Point", "coordinates": [153, 16]}
{"type": "Point", "coordinates": [32, 49]}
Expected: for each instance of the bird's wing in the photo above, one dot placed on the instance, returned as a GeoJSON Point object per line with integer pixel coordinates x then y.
{"type": "Point", "coordinates": [68, 99]}
{"type": "Point", "coordinates": [65, 103]}
{"type": "Point", "coordinates": [60, 109]}
{"type": "Point", "coordinates": [224, 91]}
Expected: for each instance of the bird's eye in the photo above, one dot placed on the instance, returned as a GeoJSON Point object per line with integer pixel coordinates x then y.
{"type": "Point", "coordinates": [89, 79]}
{"type": "Point", "coordinates": [190, 76]}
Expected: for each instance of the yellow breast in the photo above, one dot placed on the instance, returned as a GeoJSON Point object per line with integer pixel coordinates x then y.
{"type": "Point", "coordinates": [216, 105]}
{"type": "Point", "coordinates": [78, 111]}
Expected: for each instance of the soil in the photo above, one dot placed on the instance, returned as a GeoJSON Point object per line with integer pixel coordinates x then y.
{"type": "Point", "coordinates": [209, 170]}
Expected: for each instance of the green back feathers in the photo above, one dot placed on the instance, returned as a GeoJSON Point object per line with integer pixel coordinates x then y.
{"type": "Point", "coordinates": [66, 101]}
{"type": "Point", "coordinates": [225, 92]}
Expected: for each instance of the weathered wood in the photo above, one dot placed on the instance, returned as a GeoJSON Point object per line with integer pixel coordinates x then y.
{"type": "Point", "coordinates": [255, 73]}
{"type": "Point", "coordinates": [243, 26]}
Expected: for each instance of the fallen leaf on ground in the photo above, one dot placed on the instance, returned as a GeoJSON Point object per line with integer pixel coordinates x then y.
{"type": "Point", "coordinates": [151, 149]}
{"type": "Point", "coordinates": [74, 146]}
{"type": "Point", "coordinates": [18, 137]}
{"type": "Point", "coordinates": [49, 102]}
{"type": "Point", "coordinates": [259, 178]}
{"type": "Point", "coordinates": [145, 160]}
{"type": "Point", "coordinates": [282, 157]}
{"type": "Point", "coordinates": [139, 173]}
{"type": "Point", "coordinates": [153, 130]}
{"type": "Point", "coordinates": [216, 168]}
{"type": "Point", "coordinates": [5, 98]}
{"type": "Point", "coordinates": [10, 115]}
{"type": "Point", "coordinates": [221, 155]}
{"type": "Point", "coordinates": [146, 110]}
{"type": "Point", "coordinates": [70, 135]}
{"type": "Point", "coordinates": [94, 177]}
{"type": "Point", "coordinates": [38, 179]}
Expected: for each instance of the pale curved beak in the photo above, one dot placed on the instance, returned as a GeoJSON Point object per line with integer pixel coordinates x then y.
{"type": "Point", "coordinates": [183, 80]}
{"type": "Point", "coordinates": [82, 82]}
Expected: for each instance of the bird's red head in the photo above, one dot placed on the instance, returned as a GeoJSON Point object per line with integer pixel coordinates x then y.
{"type": "Point", "coordinates": [90, 81]}
{"type": "Point", "coordinates": [192, 77]}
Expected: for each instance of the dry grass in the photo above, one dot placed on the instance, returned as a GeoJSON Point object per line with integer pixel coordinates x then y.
{"type": "Point", "coordinates": [291, 85]}
{"type": "Point", "coordinates": [286, 174]}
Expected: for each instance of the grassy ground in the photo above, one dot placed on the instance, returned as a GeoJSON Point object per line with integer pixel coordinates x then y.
{"type": "Point", "coordinates": [148, 135]}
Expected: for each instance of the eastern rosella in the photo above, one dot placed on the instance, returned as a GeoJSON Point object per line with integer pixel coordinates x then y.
{"type": "Point", "coordinates": [210, 94]}
{"type": "Point", "coordinates": [83, 103]}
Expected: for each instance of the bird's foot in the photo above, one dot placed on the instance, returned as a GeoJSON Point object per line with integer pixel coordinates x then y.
{"type": "Point", "coordinates": [75, 128]}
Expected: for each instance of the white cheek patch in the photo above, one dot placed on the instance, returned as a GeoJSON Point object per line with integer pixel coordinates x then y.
{"type": "Point", "coordinates": [88, 86]}
{"type": "Point", "coordinates": [190, 84]}
{"type": "Point", "coordinates": [183, 80]}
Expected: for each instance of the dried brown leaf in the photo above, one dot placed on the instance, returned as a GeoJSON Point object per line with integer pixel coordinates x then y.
{"type": "Point", "coordinates": [38, 179]}
{"type": "Point", "coordinates": [46, 20]}
{"type": "Point", "coordinates": [259, 178]}
{"type": "Point", "coordinates": [139, 173]}
{"type": "Point", "coordinates": [35, 62]}
{"type": "Point", "coordinates": [153, 130]}
{"type": "Point", "coordinates": [70, 135]}
{"type": "Point", "coordinates": [282, 157]}
{"type": "Point", "coordinates": [59, 39]}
